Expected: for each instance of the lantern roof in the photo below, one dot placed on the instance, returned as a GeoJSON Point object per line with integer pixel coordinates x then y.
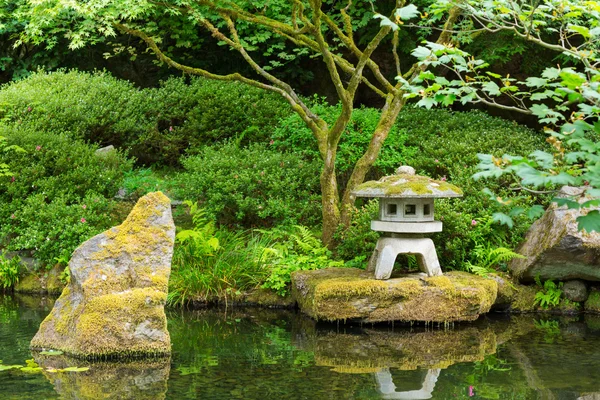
{"type": "Point", "coordinates": [405, 184]}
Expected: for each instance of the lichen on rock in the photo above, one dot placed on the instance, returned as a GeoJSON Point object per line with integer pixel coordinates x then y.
{"type": "Point", "coordinates": [351, 294]}
{"type": "Point", "coordinates": [113, 306]}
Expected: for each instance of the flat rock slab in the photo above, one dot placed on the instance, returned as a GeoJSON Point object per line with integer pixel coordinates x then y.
{"type": "Point", "coordinates": [335, 294]}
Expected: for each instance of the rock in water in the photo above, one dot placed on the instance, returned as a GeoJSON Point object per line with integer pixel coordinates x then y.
{"type": "Point", "coordinates": [114, 305]}
{"type": "Point", "coordinates": [555, 249]}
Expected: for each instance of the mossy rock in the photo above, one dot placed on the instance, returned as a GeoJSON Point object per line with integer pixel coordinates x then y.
{"type": "Point", "coordinates": [113, 306]}
{"type": "Point", "coordinates": [335, 294]}
{"type": "Point", "coordinates": [41, 282]}
{"type": "Point", "coordinates": [592, 304]}
{"type": "Point", "coordinates": [130, 380]}
{"type": "Point", "coordinates": [30, 283]}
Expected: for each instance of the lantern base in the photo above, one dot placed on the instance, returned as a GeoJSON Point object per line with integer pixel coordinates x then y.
{"type": "Point", "coordinates": [387, 249]}
{"type": "Point", "coordinates": [406, 227]}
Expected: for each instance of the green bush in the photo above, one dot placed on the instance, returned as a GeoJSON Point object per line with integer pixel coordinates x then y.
{"type": "Point", "coordinates": [60, 194]}
{"type": "Point", "coordinates": [252, 186]}
{"type": "Point", "coordinates": [293, 135]}
{"type": "Point", "coordinates": [447, 145]}
{"type": "Point", "coordinates": [155, 125]}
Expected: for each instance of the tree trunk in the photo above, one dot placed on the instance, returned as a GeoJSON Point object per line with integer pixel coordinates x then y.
{"type": "Point", "coordinates": [394, 105]}
{"type": "Point", "coordinates": [330, 198]}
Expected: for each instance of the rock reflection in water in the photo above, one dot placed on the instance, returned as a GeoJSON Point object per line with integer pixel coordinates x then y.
{"type": "Point", "coordinates": [380, 351]}
{"type": "Point", "coordinates": [132, 380]}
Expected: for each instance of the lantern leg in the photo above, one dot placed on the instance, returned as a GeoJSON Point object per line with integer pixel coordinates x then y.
{"type": "Point", "coordinates": [387, 249]}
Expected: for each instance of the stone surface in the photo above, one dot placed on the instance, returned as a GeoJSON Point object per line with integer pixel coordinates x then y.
{"type": "Point", "coordinates": [406, 227]}
{"type": "Point", "coordinates": [105, 150]}
{"type": "Point", "coordinates": [131, 380]}
{"type": "Point", "coordinates": [507, 291]}
{"type": "Point", "coordinates": [555, 249]}
{"type": "Point", "coordinates": [114, 304]}
{"type": "Point", "coordinates": [351, 294]}
{"type": "Point", "coordinates": [575, 290]}
{"type": "Point", "coordinates": [406, 185]}
{"type": "Point", "coordinates": [387, 249]}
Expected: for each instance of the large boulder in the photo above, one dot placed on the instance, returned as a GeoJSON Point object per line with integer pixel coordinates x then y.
{"type": "Point", "coordinates": [555, 249]}
{"type": "Point", "coordinates": [351, 294]}
{"type": "Point", "coordinates": [114, 305]}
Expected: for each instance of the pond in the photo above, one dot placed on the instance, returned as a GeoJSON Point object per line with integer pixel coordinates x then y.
{"type": "Point", "coordinates": [268, 354]}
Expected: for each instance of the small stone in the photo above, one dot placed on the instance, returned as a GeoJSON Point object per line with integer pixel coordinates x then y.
{"type": "Point", "coordinates": [405, 170]}
{"type": "Point", "coordinates": [113, 306]}
{"type": "Point", "coordinates": [575, 290]}
{"type": "Point", "coordinates": [105, 150]}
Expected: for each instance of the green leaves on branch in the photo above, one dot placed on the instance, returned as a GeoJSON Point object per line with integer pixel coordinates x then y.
{"type": "Point", "coordinates": [401, 14]}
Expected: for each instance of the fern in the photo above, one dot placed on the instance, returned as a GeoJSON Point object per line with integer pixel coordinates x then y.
{"type": "Point", "coordinates": [488, 258]}
{"type": "Point", "coordinates": [550, 294]}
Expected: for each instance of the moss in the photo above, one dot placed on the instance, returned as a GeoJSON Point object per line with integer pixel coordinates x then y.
{"type": "Point", "coordinates": [137, 233]}
{"type": "Point", "coordinates": [408, 185]}
{"type": "Point", "coordinates": [377, 349]}
{"type": "Point", "coordinates": [523, 299]}
{"type": "Point", "coordinates": [592, 303]}
{"type": "Point", "coordinates": [345, 293]}
{"type": "Point", "coordinates": [30, 283]}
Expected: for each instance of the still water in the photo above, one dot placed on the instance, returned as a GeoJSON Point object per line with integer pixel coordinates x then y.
{"type": "Point", "coordinates": [264, 354]}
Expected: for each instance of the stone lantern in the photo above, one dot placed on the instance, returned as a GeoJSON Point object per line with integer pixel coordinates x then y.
{"type": "Point", "coordinates": [406, 212]}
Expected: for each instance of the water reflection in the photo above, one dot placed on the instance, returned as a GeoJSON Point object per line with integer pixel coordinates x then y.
{"type": "Point", "coordinates": [132, 380]}
{"type": "Point", "coordinates": [262, 354]}
{"type": "Point", "coordinates": [385, 386]}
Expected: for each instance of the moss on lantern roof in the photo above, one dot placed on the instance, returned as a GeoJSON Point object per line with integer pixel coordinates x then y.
{"type": "Point", "coordinates": [407, 185]}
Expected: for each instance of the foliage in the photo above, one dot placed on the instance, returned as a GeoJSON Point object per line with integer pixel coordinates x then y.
{"type": "Point", "coordinates": [292, 134]}
{"type": "Point", "coordinates": [549, 295]}
{"type": "Point", "coordinates": [252, 186]}
{"type": "Point", "coordinates": [60, 194]}
{"type": "Point", "coordinates": [446, 146]}
{"type": "Point", "coordinates": [210, 265]}
{"type": "Point", "coordinates": [295, 249]}
{"type": "Point", "coordinates": [9, 271]}
{"type": "Point", "coordinates": [4, 147]}
{"type": "Point", "coordinates": [139, 182]}
{"type": "Point", "coordinates": [155, 125]}
{"type": "Point", "coordinates": [487, 259]}
{"type": "Point", "coordinates": [564, 98]}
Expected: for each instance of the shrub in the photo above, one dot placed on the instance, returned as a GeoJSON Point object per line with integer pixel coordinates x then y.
{"type": "Point", "coordinates": [252, 186]}
{"type": "Point", "coordinates": [155, 125]}
{"type": "Point", "coordinates": [60, 194]}
{"type": "Point", "coordinates": [9, 271]}
{"type": "Point", "coordinates": [447, 145]}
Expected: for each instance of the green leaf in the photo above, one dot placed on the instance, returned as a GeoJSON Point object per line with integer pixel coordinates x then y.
{"type": "Point", "coordinates": [590, 222]}
{"type": "Point", "coordinates": [571, 204]}
{"type": "Point", "coordinates": [408, 12]}
{"type": "Point", "coordinates": [535, 212]}
{"type": "Point", "coordinates": [491, 87]}
{"type": "Point", "coordinates": [421, 52]}
{"type": "Point", "coordinates": [385, 21]}
{"type": "Point", "coordinates": [502, 219]}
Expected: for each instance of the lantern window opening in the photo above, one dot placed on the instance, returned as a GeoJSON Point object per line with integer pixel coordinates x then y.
{"type": "Point", "coordinates": [410, 210]}
{"type": "Point", "coordinates": [426, 209]}
{"type": "Point", "coordinates": [392, 209]}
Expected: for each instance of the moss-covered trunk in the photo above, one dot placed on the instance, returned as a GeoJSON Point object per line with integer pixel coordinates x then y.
{"type": "Point", "coordinates": [390, 112]}
{"type": "Point", "coordinates": [330, 197]}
